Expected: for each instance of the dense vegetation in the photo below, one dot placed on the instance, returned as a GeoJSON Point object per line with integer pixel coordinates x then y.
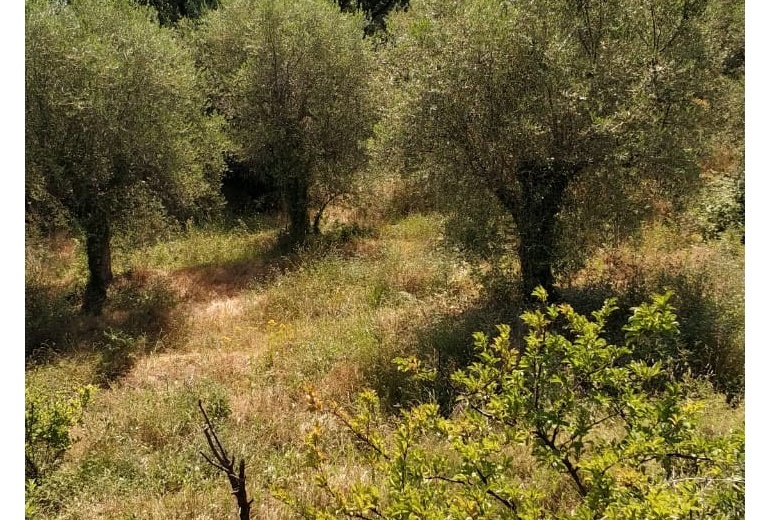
{"type": "Point", "coordinates": [501, 275]}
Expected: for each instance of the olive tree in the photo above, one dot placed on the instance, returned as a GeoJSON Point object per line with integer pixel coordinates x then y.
{"type": "Point", "coordinates": [524, 100]}
{"type": "Point", "coordinates": [290, 77]}
{"type": "Point", "coordinates": [114, 120]}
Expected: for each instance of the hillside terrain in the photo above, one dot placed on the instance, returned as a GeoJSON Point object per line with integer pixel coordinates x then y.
{"type": "Point", "coordinates": [384, 259]}
{"type": "Point", "coordinates": [215, 314]}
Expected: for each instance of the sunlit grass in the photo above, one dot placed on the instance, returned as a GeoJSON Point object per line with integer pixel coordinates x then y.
{"type": "Point", "coordinates": [259, 330]}
{"type": "Point", "coordinates": [200, 247]}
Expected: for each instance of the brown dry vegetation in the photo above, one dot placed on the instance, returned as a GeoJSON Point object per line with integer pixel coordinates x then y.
{"type": "Point", "coordinates": [218, 315]}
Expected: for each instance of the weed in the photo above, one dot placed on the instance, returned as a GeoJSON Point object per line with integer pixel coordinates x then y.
{"type": "Point", "coordinates": [47, 424]}
{"type": "Point", "coordinates": [709, 286]}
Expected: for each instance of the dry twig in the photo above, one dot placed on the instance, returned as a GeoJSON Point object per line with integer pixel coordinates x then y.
{"type": "Point", "coordinates": [226, 464]}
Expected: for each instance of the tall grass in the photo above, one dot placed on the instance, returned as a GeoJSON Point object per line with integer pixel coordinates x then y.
{"type": "Point", "coordinates": [250, 331]}
{"type": "Point", "coordinates": [259, 329]}
{"type": "Point", "coordinates": [707, 279]}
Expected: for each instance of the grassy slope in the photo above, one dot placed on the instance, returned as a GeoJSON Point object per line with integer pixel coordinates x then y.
{"type": "Point", "coordinates": [246, 331]}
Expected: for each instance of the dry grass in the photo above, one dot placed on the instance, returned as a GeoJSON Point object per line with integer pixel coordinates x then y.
{"type": "Point", "coordinates": [708, 284]}
{"type": "Point", "coordinates": [253, 331]}
{"type": "Point", "coordinates": [257, 330]}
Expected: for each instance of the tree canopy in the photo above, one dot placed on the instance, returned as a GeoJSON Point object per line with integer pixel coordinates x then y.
{"type": "Point", "coordinates": [524, 100]}
{"type": "Point", "coordinates": [291, 81]}
{"type": "Point", "coordinates": [527, 113]}
{"type": "Point", "coordinates": [114, 121]}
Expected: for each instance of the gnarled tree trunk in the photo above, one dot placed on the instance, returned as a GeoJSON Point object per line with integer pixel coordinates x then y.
{"type": "Point", "coordinates": [99, 262]}
{"type": "Point", "coordinates": [534, 207]}
{"type": "Point", "coordinates": [542, 187]}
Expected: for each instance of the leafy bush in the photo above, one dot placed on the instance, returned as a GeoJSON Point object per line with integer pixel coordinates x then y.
{"type": "Point", "coordinates": [567, 425]}
{"type": "Point", "coordinates": [708, 286]}
{"type": "Point", "coordinates": [722, 207]}
{"type": "Point", "coordinates": [47, 424]}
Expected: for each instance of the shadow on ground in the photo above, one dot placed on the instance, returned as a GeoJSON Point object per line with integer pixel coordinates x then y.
{"type": "Point", "coordinates": [146, 310]}
{"type": "Point", "coordinates": [447, 345]}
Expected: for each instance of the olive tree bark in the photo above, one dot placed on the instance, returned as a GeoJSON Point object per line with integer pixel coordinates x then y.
{"type": "Point", "coordinates": [99, 262]}
{"type": "Point", "coordinates": [534, 207]}
{"type": "Point", "coordinates": [294, 176]}
{"type": "Point", "coordinates": [296, 200]}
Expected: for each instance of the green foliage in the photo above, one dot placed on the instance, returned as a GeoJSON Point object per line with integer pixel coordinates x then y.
{"type": "Point", "coordinates": [527, 101]}
{"type": "Point", "coordinates": [47, 317]}
{"type": "Point", "coordinates": [148, 306]}
{"type": "Point", "coordinates": [113, 120]}
{"type": "Point", "coordinates": [712, 313]}
{"type": "Point", "coordinates": [722, 208]}
{"type": "Point", "coordinates": [30, 488]}
{"type": "Point", "coordinates": [653, 329]}
{"type": "Point", "coordinates": [114, 111]}
{"type": "Point", "coordinates": [47, 424]}
{"type": "Point", "coordinates": [118, 354]}
{"type": "Point", "coordinates": [142, 305]}
{"type": "Point", "coordinates": [617, 436]}
{"type": "Point", "coordinates": [708, 286]}
{"type": "Point", "coordinates": [291, 80]}
{"type": "Point", "coordinates": [144, 449]}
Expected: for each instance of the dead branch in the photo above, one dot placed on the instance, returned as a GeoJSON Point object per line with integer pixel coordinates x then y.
{"type": "Point", "coordinates": [226, 464]}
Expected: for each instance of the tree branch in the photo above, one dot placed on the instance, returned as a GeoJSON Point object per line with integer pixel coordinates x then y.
{"type": "Point", "coordinates": [226, 464]}
{"type": "Point", "coordinates": [505, 501]}
{"type": "Point", "coordinates": [339, 414]}
{"type": "Point", "coordinates": [571, 469]}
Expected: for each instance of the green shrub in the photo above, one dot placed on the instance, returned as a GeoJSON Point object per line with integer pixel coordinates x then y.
{"type": "Point", "coordinates": [567, 425]}
{"type": "Point", "coordinates": [708, 287]}
{"type": "Point", "coordinates": [47, 424]}
{"type": "Point", "coordinates": [722, 207]}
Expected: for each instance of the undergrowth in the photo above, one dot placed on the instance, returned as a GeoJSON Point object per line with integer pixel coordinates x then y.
{"type": "Point", "coordinates": [220, 314]}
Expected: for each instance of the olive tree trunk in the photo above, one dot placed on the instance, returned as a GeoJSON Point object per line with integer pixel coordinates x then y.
{"type": "Point", "coordinates": [296, 200]}
{"type": "Point", "coordinates": [99, 262]}
{"type": "Point", "coordinates": [534, 208]}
